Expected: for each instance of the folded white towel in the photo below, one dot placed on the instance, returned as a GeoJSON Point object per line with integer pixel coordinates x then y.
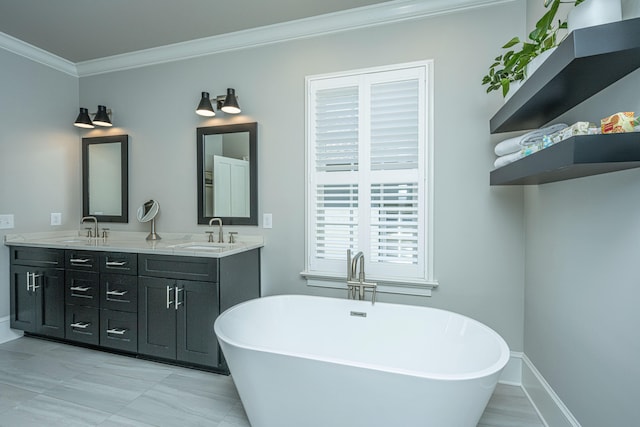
{"type": "Point", "coordinates": [513, 145]}
{"type": "Point", "coordinates": [508, 146]}
{"type": "Point", "coordinates": [509, 158]}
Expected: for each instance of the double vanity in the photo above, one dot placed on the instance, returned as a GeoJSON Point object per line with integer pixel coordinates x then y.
{"type": "Point", "coordinates": [154, 299]}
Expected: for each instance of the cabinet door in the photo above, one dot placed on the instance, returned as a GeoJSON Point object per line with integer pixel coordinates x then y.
{"type": "Point", "coordinates": [197, 309]}
{"type": "Point", "coordinates": [23, 300]}
{"type": "Point", "coordinates": [50, 302]}
{"type": "Point", "coordinates": [156, 317]}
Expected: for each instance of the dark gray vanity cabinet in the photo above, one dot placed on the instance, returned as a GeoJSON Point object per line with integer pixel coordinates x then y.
{"type": "Point", "coordinates": [179, 299]}
{"type": "Point", "coordinates": [37, 290]}
{"type": "Point", "coordinates": [177, 304]}
{"type": "Point", "coordinates": [158, 306]}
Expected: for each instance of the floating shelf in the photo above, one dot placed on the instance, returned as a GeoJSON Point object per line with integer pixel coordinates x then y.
{"type": "Point", "coordinates": [587, 61]}
{"type": "Point", "coordinates": [575, 157]}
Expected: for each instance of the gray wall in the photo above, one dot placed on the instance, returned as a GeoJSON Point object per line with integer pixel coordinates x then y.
{"type": "Point", "coordinates": [39, 151]}
{"type": "Point", "coordinates": [479, 230]}
{"type": "Point", "coordinates": [582, 275]}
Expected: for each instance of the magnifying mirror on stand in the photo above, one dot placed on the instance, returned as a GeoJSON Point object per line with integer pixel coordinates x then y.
{"type": "Point", "coordinates": [147, 212]}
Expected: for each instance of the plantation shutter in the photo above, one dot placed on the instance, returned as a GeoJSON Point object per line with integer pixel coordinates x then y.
{"type": "Point", "coordinates": [366, 171]}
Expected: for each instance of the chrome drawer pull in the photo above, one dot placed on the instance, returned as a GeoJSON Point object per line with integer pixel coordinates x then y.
{"type": "Point", "coordinates": [117, 293]}
{"type": "Point", "coordinates": [79, 260]}
{"type": "Point", "coordinates": [80, 288]}
{"type": "Point", "coordinates": [116, 263]}
{"type": "Point", "coordinates": [80, 325]}
{"type": "Point", "coordinates": [117, 331]}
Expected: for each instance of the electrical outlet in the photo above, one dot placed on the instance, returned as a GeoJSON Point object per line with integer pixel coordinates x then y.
{"type": "Point", "coordinates": [56, 218]}
{"type": "Point", "coordinates": [6, 221]}
{"type": "Point", "coordinates": [267, 220]}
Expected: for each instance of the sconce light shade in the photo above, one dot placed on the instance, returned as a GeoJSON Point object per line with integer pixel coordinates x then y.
{"type": "Point", "coordinates": [102, 117]}
{"type": "Point", "coordinates": [83, 120]}
{"type": "Point", "coordinates": [205, 108]}
{"type": "Point", "coordinates": [231, 102]}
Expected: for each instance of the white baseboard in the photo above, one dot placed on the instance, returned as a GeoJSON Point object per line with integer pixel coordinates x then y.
{"type": "Point", "coordinates": [512, 373]}
{"type": "Point", "coordinates": [6, 333]}
{"type": "Point", "coordinates": [546, 402]}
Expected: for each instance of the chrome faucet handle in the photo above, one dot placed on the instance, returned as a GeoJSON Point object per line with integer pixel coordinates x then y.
{"type": "Point", "coordinates": [210, 238]}
{"type": "Point", "coordinates": [89, 232]}
{"type": "Point", "coordinates": [105, 233]}
{"type": "Point", "coordinates": [232, 236]}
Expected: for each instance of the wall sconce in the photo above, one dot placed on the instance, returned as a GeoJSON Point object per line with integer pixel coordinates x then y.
{"type": "Point", "coordinates": [101, 118]}
{"type": "Point", "coordinates": [227, 103]}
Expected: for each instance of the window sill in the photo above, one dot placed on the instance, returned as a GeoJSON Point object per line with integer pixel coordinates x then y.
{"type": "Point", "coordinates": [387, 286]}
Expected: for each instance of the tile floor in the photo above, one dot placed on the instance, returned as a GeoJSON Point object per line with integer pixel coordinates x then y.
{"type": "Point", "coordinates": [44, 383]}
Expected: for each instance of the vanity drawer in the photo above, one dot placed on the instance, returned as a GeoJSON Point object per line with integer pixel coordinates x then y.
{"type": "Point", "coordinates": [81, 260]}
{"type": "Point", "coordinates": [178, 267]}
{"type": "Point", "coordinates": [37, 257]}
{"type": "Point", "coordinates": [119, 262]}
{"type": "Point", "coordinates": [82, 324]}
{"type": "Point", "coordinates": [119, 330]}
{"type": "Point", "coordinates": [119, 292]}
{"type": "Point", "coordinates": [82, 288]}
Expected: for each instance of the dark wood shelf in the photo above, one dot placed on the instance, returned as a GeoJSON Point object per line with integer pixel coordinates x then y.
{"type": "Point", "coordinates": [587, 61]}
{"type": "Point", "coordinates": [575, 157]}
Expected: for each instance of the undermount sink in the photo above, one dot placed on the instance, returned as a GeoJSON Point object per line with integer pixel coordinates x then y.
{"type": "Point", "coordinates": [204, 246]}
{"type": "Point", "coordinates": [76, 240]}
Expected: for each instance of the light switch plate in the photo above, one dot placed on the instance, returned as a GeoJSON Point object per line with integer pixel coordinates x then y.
{"type": "Point", "coordinates": [267, 220]}
{"type": "Point", "coordinates": [56, 218]}
{"type": "Point", "coordinates": [6, 221]}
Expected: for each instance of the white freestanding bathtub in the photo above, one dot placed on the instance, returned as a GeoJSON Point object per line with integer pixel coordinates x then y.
{"type": "Point", "coordinates": [303, 361]}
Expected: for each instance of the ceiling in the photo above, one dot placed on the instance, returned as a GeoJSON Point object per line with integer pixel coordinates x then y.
{"type": "Point", "coordinates": [82, 30]}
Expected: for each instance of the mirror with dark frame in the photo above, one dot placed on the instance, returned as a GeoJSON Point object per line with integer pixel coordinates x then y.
{"type": "Point", "coordinates": [105, 172]}
{"type": "Point", "coordinates": [228, 173]}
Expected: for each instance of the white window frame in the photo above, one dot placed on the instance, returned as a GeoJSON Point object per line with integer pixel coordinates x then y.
{"type": "Point", "coordinates": [424, 280]}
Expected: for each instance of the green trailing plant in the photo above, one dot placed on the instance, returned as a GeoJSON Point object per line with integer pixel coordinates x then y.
{"type": "Point", "coordinates": [511, 66]}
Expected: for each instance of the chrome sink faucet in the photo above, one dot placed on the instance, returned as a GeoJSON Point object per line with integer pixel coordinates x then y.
{"type": "Point", "coordinates": [95, 225]}
{"type": "Point", "coordinates": [356, 288]}
{"type": "Point", "coordinates": [220, 232]}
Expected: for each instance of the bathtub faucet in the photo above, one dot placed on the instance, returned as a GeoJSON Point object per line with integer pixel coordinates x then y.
{"type": "Point", "coordinates": [356, 288]}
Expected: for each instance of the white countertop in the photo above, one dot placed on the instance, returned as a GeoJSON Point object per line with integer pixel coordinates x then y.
{"type": "Point", "coordinates": [181, 244]}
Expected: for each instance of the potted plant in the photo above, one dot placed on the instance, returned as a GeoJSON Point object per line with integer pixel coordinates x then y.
{"type": "Point", "coordinates": [511, 66]}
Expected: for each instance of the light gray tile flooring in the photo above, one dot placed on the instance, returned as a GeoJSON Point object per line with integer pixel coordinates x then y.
{"type": "Point", "coordinates": [44, 383]}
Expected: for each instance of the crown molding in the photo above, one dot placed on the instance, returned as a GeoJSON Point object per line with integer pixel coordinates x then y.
{"type": "Point", "coordinates": [368, 16]}
{"type": "Point", "coordinates": [36, 54]}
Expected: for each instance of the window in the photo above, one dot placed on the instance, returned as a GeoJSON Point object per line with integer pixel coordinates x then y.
{"type": "Point", "coordinates": [369, 176]}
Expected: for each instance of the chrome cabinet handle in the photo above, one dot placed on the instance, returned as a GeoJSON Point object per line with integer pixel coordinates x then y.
{"type": "Point", "coordinates": [116, 263]}
{"type": "Point", "coordinates": [169, 302]}
{"type": "Point", "coordinates": [34, 276]}
{"type": "Point", "coordinates": [80, 288]}
{"type": "Point", "coordinates": [117, 331]}
{"type": "Point", "coordinates": [178, 303]}
{"type": "Point", "coordinates": [117, 293]}
{"type": "Point", "coordinates": [79, 260]}
{"type": "Point", "coordinates": [28, 281]}
{"type": "Point", "coordinates": [81, 325]}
